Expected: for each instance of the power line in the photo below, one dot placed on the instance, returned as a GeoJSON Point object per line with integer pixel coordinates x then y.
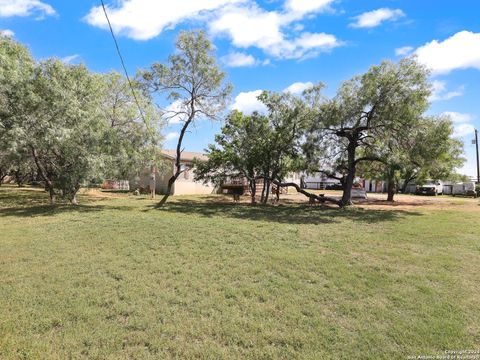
{"type": "Point", "coordinates": [123, 63]}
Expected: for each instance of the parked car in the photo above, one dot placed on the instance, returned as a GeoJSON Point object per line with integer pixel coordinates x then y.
{"type": "Point", "coordinates": [464, 189]}
{"type": "Point", "coordinates": [337, 186]}
{"type": "Point", "coordinates": [431, 188]}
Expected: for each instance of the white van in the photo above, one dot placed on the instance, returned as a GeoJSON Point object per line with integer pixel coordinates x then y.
{"type": "Point", "coordinates": [430, 188]}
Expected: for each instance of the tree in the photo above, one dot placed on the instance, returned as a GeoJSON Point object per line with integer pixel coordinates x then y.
{"type": "Point", "coordinates": [50, 112]}
{"type": "Point", "coordinates": [193, 81]}
{"type": "Point", "coordinates": [427, 150]}
{"type": "Point", "coordinates": [132, 134]}
{"type": "Point", "coordinates": [73, 125]}
{"type": "Point", "coordinates": [257, 147]}
{"type": "Point", "coordinates": [237, 153]}
{"type": "Point", "coordinates": [261, 147]}
{"type": "Point", "coordinates": [432, 152]}
{"type": "Point", "coordinates": [64, 132]}
{"type": "Point", "coordinates": [281, 153]}
{"type": "Point", "coordinates": [22, 169]}
{"type": "Point", "coordinates": [379, 103]}
{"type": "Point", "coordinates": [16, 70]}
{"type": "Point", "coordinates": [4, 167]}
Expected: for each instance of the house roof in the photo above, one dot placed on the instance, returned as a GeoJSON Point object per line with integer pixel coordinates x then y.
{"type": "Point", "coordinates": [186, 155]}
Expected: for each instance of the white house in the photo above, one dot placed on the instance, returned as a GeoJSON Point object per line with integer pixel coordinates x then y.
{"type": "Point", "coordinates": [185, 184]}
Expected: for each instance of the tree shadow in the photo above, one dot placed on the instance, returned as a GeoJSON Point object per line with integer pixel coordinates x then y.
{"type": "Point", "coordinates": [284, 213]}
{"type": "Point", "coordinates": [30, 202]}
{"type": "Point", "coordinates": [48, 210]}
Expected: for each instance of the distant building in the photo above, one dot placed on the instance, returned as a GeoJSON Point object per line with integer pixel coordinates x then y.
{"type": "Point", "coordinates": [185, 184]}
{"type": "Point", "coordinates": [374, 186]}
{"type": "Point", "coordinates": [318, 181]}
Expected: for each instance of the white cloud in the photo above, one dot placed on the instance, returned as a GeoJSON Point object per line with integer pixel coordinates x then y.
{"type": "Point", "coordinates": [9, 8]}
{"type": "Point", "coordinates": [458, 117]}
{"type": "Point", "coordinates": [145, 19]}
{"type": "Point", "coordinates": [374, 18]}
{"type": "Point", "coordinates": [174, 112]}
{"type": "Point", "coordinates": [403, 51]}
{"type": "Point", "coordinates": [440, 92]}
{"type": "Point", "coordinates": [247, 102]}
{"type": "Point", "coordinates": [237, 59]}
{"type": "Point", "coordinates": [462, 127]}
{"type": "Point", "coordinates": [251, 26]}
{"type": "Point", "coordinates": [307, 6]}
{"type": "Point", "coordinates": [298, 87]}
{"type": "Point", "coordinates": [460, 51]}
{"type": "Point", "coordinates": [316, 41]}
{"type": "Point", "coordinates": [69, 59]}
{"type": "Point", "coordinates": [7, 33]}
{"type": "Point", "coordinates": [278, 33]}
{"type": "Point", "coordinates": [172, 135]}
{"type": "Point", "coordinates": [463, 130]}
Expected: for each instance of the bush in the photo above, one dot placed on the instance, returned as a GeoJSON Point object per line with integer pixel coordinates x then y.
{"type": "Point", "coordinates": [477, 190]}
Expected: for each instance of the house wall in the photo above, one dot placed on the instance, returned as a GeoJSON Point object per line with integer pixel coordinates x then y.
{"type": "Point", "coordinates": [142, 181]}
{"type": "Point", "coordinates": [183, 186]}
{"type": "Point", "coordinates": [192, 188]}
{"type": "Point", "coordinates": [376, 186]}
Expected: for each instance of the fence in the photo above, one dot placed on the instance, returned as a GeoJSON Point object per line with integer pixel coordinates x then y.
{"type": "Point", "coordinates": [123, 185]}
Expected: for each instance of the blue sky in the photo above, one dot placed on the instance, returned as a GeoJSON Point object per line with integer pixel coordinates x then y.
{"type": "Point", "coordinates": [271, 44]}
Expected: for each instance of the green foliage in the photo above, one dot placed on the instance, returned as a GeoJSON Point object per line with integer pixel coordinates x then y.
{"type": "Point", "coordinates": [131, 139]}
{"type": "Point", "coordinates": [258, 146]}
{"type": "Point", "coordinates": [238, 151]}
{"type": "Point", "coordinates": [425, 150]}
{"type": "Point", "coordinates": [191, 79]}
{"type": "Point", "coordinates": [74, 125]}
{"type": "Point", "coordinates": [193, 82]}
{"type": "Point", "coordinates": [436, 153]}
{"type": "Point", "coordinates": [367, 112]}
{"type": "Point", "coordinates": [65, 132]}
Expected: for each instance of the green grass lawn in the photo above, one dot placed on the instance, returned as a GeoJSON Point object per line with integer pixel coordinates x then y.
{"type": "Point", "coordinates": [117, 278]}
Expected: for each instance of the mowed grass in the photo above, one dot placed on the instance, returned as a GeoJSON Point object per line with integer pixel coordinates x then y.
{"type": "Point", "coordinates": [117, 278]}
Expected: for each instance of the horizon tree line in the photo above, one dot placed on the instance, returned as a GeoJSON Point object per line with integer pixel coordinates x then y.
{"type": "Point", "coordinates": [66, 125]}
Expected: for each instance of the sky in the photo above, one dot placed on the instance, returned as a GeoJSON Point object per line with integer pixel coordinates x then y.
{"type": "Point", "coordinates": [277, 45]}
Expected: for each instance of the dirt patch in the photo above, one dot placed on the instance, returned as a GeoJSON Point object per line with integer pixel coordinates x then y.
{"type": "Point", "coordinates": [378, 201]}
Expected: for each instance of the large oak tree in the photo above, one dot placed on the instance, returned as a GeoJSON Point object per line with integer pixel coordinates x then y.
{"type": "Point", "coordinates": [382, 102]}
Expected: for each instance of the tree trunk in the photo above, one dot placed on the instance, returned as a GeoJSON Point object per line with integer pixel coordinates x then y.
{"type": "Point", "coordinates": [267, 192]}
{"type": "Point", "coordinates": [320, 198]}
{"type": "Point", "coordinates": [43, 175]}
{"type": "Point", "coordinates": [262, 198]}
{"type": "Point", "coordinates": [53, 198]}
{"type": "Point", "coordinates": [253, 191]}
{"type": "Point", "coordinates": [3, 176]}
{"type": "Point", "coordinates": [153, 182]}
{"type": "Point", "coordinates": [350, 178]}
{"type": "Point", "coordinates": [178, 168]}
{"type": "Point", "coordinates": [171, 181]}
{"type": "Point", "coordinates": [18, 178]}
{"type": "Point", "coordinates": [390, 185]}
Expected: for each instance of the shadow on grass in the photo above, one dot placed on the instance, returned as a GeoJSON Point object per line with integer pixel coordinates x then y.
{"type": "Point", "coordinates": [284, 213]}
{"type": "Point", "coordinates": [28, 202]}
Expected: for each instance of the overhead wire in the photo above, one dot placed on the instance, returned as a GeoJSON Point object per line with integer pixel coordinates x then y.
{"type": "Point", "coordinates": [122, 61]}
